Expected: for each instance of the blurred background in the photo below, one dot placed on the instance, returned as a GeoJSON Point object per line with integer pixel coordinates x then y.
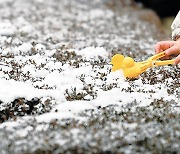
{"type": "Point", "coordinates": [165, 9]}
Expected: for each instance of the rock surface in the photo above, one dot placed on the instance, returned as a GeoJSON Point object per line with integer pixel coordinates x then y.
{"type": "Point", "coordinates": [57, 93]}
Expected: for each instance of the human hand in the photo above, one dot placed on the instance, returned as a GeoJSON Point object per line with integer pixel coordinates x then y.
{"type": "Point", "coordinates": [171, 48]}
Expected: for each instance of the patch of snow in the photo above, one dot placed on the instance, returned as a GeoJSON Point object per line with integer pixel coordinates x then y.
{"type": "Point", "coordinates": [15, 89]}
{"type": "Point", "coordinates": [40, 48]}
{"type": "Point", "coordinates": [23, 49]}
{"type": "Point", "coordinates": [26, 30]}
{"type": "Point", "coordinates": [75, 106]}
{"type": "Point", "coordinates": [98, 13]}
{"type": "Point", "coordinates": [93, 52]}
{"type": "Point", "coordinates": [7, 29]}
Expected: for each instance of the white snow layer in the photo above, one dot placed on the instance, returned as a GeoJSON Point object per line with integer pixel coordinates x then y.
{"type": "Point", "coordinates": [93, 52]}
{"type": "Point", "coordinates": [56, 82]}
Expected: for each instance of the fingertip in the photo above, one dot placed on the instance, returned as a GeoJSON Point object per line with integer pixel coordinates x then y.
{"type": "Point", "coordinates": [157, 47]}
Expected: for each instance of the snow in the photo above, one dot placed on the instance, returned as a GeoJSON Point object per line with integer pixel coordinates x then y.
{"type": "Point", "coordinates": [98, 13]}
{"type": "Point", "coordinates": [7, 29]}
{"type": "Point", "coordinates": [40, 48]}
{"type": "Point", "coordinates": [60, 55]}
{"type": "Point", "coordinates": [25, 30]}
{"type": "Point", "coordinates": [12, 90]}
{"type": "Point", "coordinates": [93, 52]}
{"type": "Point", "coordinates": [23, 49]}
{"type": "Point", "coordinates": [75, 106]}
{"type": "Point", "coordinates": [69, 78]}
{"type": "Point", "coordinates": [59, 81]}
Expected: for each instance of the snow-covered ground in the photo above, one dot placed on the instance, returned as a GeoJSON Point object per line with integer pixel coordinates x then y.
{"type": "Point", "coordinates": [58, 93]}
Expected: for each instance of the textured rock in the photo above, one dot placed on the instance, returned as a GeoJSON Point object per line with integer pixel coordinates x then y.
{"type": "Point", "coordinates": [84, 111]}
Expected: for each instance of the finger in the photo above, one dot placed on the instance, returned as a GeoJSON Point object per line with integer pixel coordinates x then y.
{"type": "Point", "coordinates": [158, 47]}
{"type": "Point", "coordinates": [163, 45]}
{"type": "Point", "coordinates": [172, 51]}
{"type": "Point", "coordinates": [177, 60]}
{"type": "Point", "coordinates": [165, 58]}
